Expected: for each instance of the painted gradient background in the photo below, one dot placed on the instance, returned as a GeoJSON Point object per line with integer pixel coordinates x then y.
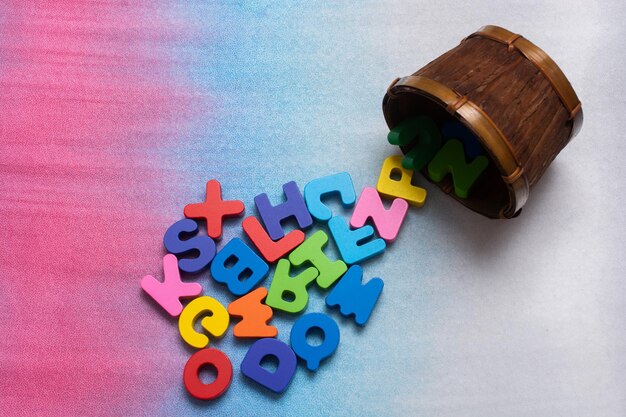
{"type": "Point", "coordinates": [114, 114]}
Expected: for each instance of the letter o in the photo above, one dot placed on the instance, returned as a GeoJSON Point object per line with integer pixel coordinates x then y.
{"type": "Point", "coordinates": [223, 367]}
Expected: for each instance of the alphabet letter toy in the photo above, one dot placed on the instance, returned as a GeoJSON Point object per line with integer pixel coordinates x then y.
{"type": "Point", "coordinates": [311, 251]}
{"type": "Point", "coordinates": [349, 242]}
{"type": "Point", "coordinates": [278, 380]}
{"type": "Point", "coordinates": [224, 369]}
{"type": "Point", "coordinates": [313, 355]}
{"type": "Point", "coordinates": [294, 206]}
{"type": "Point", "coordinates": [246, 272]}
{"type": "Point", "coordinates": [270, 250]}
{"type": "Point", "coordinates": [214, 209]}
{"type": "Point", "coordinates": [457, 130]}
{"type": "Point", "coordinates": [203, 244]}
{"type": "Point", "coordinates": [241, 269]}
{"type": "Point", "coordinates": [168, 292]}
{"type": "Point", "coordinates": [254, 314]}
{"type": "Point", "coordinates": [285, 285]}
{"type": "Point", "coordinates": [387, 222]}
{"type": "Point", "coordinates": [451, 159]}
{"type": "Point", "coordinates": [319, 188]}
{"type": "Point", "coordinates": [354, 298]}
{"type": "Point", "coordinates": [216, 321]}
{"type": "Point", "coordinates": [402, 187]}
{"type": "Point", "coordinates": [422, 132]}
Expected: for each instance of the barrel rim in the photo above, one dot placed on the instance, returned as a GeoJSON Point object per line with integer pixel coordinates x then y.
{"type": "Point", "coordinates": [548, 67]}
{"type": "Point", "coordinates": [492, 138]}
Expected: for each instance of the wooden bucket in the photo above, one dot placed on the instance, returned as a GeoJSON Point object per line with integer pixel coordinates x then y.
{"type": "Point", "coordinates": [511, 95]}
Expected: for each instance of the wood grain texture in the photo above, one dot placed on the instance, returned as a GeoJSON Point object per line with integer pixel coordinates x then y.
{"type": "Point", "coordinates": [513, 92]}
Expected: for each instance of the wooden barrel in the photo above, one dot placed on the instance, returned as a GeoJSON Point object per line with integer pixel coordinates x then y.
{"type": "Point", "coordinates": [511, 95]}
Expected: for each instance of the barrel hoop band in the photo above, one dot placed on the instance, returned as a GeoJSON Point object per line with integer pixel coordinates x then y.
{"type": "Point", "coordinates": [544, 63]}
{"type": "Point", "coordinates": [389, 91]}
{"type": "Point", "coordinates": [482, 125]}
{"type": "Point", "coordinates": [511, 42]}
{"type": "Point", "coordinates": [574, 112]}
{"type": "Point", "coordinates": [510, 179]}
{"type": "Point", "coordinates": [456, 105]}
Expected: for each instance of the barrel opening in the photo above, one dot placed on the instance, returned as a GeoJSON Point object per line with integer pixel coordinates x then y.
{"type": "Point", "coordinates": [490, 195]}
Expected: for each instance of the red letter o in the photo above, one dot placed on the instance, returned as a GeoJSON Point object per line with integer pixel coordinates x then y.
{"type": "Point", "coordinates": [223, 367]}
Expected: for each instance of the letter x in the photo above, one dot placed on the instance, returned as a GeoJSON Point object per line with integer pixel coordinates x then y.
{"type": "Point", "coordinates": [214, 209]}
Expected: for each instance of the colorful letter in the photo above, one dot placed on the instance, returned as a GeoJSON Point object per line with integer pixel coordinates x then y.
{"type": "Point", "coordinates": [349, 241]}
{"type": "Point", "coordinates": [319, 188]}
{"type": "Point", "coordinates": [311, 251]}
{"type": "Point", "coordinates": [354, 298]}
{"type": "Point", "coordinates": [169, 292]}
{"type": "Point", "coordinates": [215, 323]}
{"type": "Point", "coordinates": [423, 134]}
{"type": "Point", "coordinates": [237, 266]}
{"type": "Point", "coordinates": [278, 380]}
{"type": "Point", "coordinates": [294, 206]}
{"type": "Point", "coordinates": [313, 355]}
{"type": "Point", "coordinates": [401, 187]}
{"type": "Point", "coordinates": [223, 368]}
{"type": "Point", "coordinates": [457, 130]}
{"type": "Point", "coordinates": [270, 250]}
{"type": "Point", "coordinates": [387, 222]}
{"type": "Point", "coordinates": [214, 209]}
{"type": "Point", "coordinates": [451, 159]}
{"type": "Point", "coordinates": [293, 287]}
{"type": "Point", "coordinates": [255, 315]}
{"type": "Point", "coordinates": [204, 245]}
